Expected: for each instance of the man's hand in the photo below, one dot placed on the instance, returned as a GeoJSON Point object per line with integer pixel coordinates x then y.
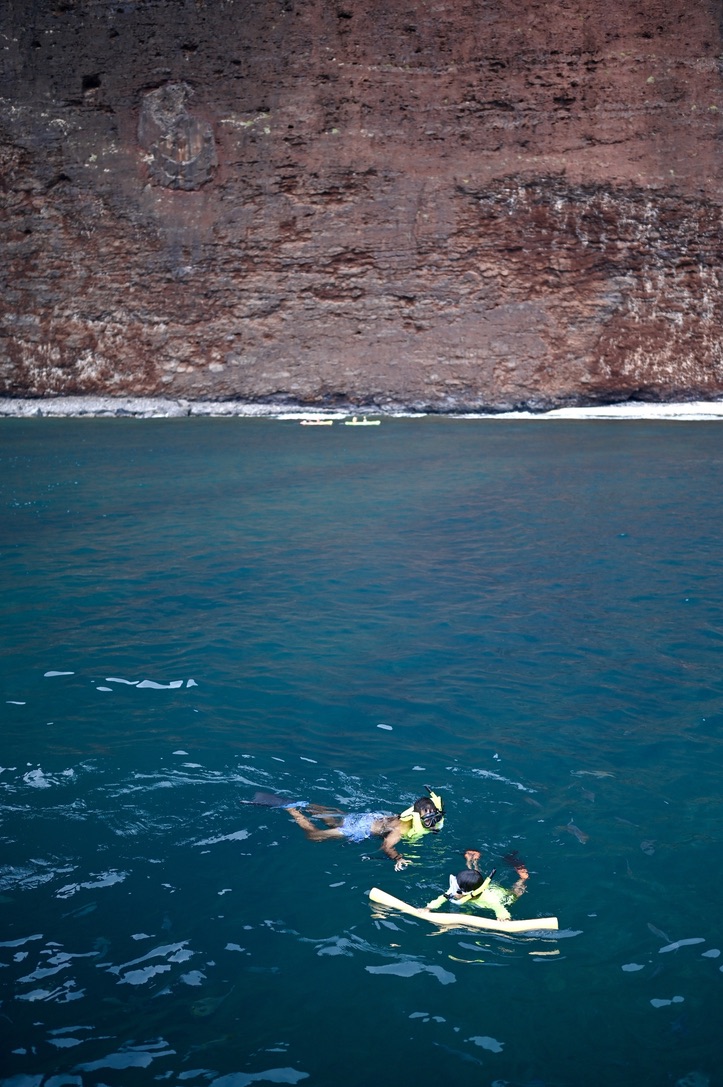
{"type": "Point", "coordinates": [401, 863]}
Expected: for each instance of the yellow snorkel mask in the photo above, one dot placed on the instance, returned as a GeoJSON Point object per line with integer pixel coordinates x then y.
{"type": "Point", "coordinates": [429, 820]}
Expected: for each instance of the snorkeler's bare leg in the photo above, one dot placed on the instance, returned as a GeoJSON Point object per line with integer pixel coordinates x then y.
{"type": "Point", "coordinates": [516, 862]}
{"type": "Point", "coordinates": [472, 858]}
{"type": "Point", "coordinates": [521, 885]}
{"type": "Point", "coordinates": [333, 817]}
{"type": "Point", "coordinates": [312, 832]}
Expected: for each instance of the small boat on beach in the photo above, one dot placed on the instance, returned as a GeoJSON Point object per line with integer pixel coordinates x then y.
{"type": "Point", "coordinates": [361, 422]}
{"type": "Point", "coordinates": [316, 422]}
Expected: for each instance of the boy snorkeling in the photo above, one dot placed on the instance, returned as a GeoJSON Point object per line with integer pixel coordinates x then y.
{"type": "Point", "coordinates": [424, 816]}
{"type": "Point", "coordinates": [470, 886]}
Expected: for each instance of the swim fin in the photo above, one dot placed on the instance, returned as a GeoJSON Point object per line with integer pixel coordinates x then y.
{"type": "Point", "coordinates": [268, 800]}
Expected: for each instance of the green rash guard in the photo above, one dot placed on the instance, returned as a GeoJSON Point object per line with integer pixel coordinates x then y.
{"type": "Point", "coordinates": [493, 897]}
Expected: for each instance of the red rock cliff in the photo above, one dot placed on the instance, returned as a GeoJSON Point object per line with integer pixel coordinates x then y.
{"type": "Point", "coordinates": [443, 203]}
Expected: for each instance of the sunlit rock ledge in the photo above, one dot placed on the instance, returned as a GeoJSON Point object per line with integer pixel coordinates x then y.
{"type": "Point", "coordinates": [152, 408]}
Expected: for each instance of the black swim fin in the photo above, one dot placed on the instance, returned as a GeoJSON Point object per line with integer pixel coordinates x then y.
{"type": "Point", "coordinates": [267, 800]}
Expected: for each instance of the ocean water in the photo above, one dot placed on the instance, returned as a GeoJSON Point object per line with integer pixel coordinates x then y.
{"type": "Point", "coordinates": [527, 616]}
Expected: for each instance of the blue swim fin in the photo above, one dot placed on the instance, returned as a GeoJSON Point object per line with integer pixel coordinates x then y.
{"type": "Point", "coordinates": [268, 800]}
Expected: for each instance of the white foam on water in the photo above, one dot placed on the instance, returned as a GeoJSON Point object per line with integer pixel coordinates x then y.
{"type": "Point", "coordinates": [659, 1002]}
{"type": "Point", "coordinates": [156, 953]}
{"type": "Point", "coordinates": [714, 953]}
{"type": "Point", "coordinates": [495, 777]}
{"type": "Point", "coordinates": [304, 759]}
{"type": "Point", "coordinates": [191, 683]}
{"type": "Point", "coordinates": [64, 1081]}
{"type": "Point", "coordinates": [37, 779]}
{"type": "Point", "coordinates": [141, 936]}
{"type": "Point", "coordinates": [117, 679]}
{"type": "Point", "coordinates": [183, 955]}
{"type": "Point", "coordinates": [151, 683]}
{"type": "Point", "coordinates": [105, 879]}
{"type": "Point", "coordinates": [179, 752]}
{"type": "Point", "coordinates": [337, 945]}
{"type": "Point", "coordinates": [681, 943]}
{"type": "Point", "coordinates": [65, 1043]}
{"type": "Point", "coordinates": [104, 688]}
{"type": "Point", "coordinates": [408, 969]}
{"type": "Point", "coordinates": [630, 967]}
{"type": "Point", "coordinates": [68, 956]}
{"type": "Point", "coordinates": [486, 1042]}
{"type": "Point", "coordinates": [69, 1030]}
{"type": "Point", "coordinates": [129, 1057]}
{"type": "Point", "coordinates": [42, 972]}
{"type": "Point", "coordinates": [271, 1075]}
{"type": "Point", "coordinates": [45, 674]}
{"type": "Point", "coordinates": [61, 995]}
{"type": "Point", "coordinates": [698, 410]}
{"type": "Point", "coordinates": [234, 947]}
{"type": "Point", "coordinates": [11, 703]}
{"type": "Point", "coordinates": [23, 940]}
{"type": "Point", "coordinates": [235, 836]}
{"type": "Point", "coordinates": [30, 878]}
{"type": "Point", "coordinates": [140, 977]}
{"type": "Point", "coordinates": [193, 977]}
{"type": "Point", "coordinates": [38, 994]}
{"type": "Point", "coordinates": [388, 728]}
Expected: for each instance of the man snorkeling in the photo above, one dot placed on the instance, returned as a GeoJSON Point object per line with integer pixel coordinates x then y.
{"type": "Point", "coordinates": [471, 887]}
{"type": "Point", "coordinates": [424, 816]}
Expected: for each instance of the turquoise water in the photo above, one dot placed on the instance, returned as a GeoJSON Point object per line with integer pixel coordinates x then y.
{"type": "Point", "coordinates": [527, 616]}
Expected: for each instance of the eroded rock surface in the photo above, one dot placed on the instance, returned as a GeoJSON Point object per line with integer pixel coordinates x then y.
{"type": "Point", "coordinates": [443, 204]}
{"type": "Point", "coordinates": [181, 148]}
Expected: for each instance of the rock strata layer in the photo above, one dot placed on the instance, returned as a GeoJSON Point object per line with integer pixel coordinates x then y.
{"type": "Point", "coordinates": [448, 205]}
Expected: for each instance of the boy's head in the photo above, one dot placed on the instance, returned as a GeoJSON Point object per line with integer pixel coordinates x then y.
{"type": "Point", "coordinates": [468, 880]}
{"type": "Point", "coordinates": [428, 812]}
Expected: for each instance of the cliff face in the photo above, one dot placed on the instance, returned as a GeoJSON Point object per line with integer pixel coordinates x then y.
{"type": "Point", "coordinates": [445, 203]}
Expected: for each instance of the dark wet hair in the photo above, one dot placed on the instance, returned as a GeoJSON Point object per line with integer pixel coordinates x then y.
{"type": "Point", "coordinates": [468, 880]}
{"type": "Point", "coordinates": [423, 805]}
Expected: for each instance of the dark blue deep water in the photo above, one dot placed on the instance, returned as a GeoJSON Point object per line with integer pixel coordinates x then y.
{"type": "Point", "coordinates": [526, 615]}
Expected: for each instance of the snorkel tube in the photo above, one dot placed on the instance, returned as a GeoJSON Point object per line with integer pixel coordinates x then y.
{"type": "Point", "coordinates": [437, 801]}
{"type": "Point", "coordinates": [418, 824]}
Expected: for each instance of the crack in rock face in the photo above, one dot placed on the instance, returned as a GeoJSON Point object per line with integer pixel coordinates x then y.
{"type": "Point", "coordinates": [180, 147]}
